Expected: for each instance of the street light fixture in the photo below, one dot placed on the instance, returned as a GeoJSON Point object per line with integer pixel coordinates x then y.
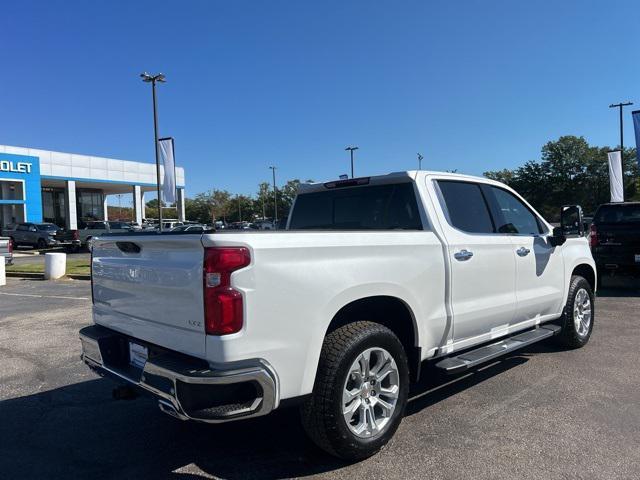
{"type": "Point", "coordinates": [153, 79]}
{"type": "Point", "coordinates": [351, 149]}
{"type": "Point", "coordinates": [275, 197]}
{"type": "Point", "coordinates": [420, 158]}
{"type": "Point", "coordinates": [620, 106]}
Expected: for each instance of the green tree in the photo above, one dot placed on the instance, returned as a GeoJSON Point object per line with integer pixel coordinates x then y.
{"type": "Point", "coordinates": [197, 209]}
{"type": "Point", "coordinates": [570, 171]}
{"type": "Point", "coordinates": [263, 203]}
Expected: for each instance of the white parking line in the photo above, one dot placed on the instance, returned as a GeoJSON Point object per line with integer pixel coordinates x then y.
{"type": "Point", "coordinates": [43, 296]}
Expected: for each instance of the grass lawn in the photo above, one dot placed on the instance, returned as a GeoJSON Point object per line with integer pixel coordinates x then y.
{"type": "Point", "coordinates": [74, 267]}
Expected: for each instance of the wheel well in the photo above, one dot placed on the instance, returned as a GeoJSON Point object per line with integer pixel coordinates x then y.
{"type": "Point", "coordinates": [587, 272]}
{"type": "Point", "coordinates": [391, 312]}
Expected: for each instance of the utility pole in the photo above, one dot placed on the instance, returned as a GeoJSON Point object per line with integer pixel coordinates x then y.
{"type": "Point", "coordinates": [620, 106]}
{"type": "Point", "coordinates": [275, 197]}
{"type": "Point", "coordinates": [153, 79]}
{"type": "Point", "coordinates": [420, 157]}
{"type": "Point", "coordinates": [351, 149]}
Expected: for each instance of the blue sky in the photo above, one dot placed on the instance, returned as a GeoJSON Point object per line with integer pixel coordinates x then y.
{"type": "Point", "coordinates": [473, 85]}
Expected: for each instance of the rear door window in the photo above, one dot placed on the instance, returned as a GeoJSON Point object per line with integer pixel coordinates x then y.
{"type": "Point", "coordinates": [376, 207]}
{"type": "Point", "coordinates": [465, 206]}
{"type": "Point", "coordinates": [618, 214]}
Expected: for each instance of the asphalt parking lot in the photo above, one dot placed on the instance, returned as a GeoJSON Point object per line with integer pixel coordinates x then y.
{"type": "Point", "coordinates": [542, 413]}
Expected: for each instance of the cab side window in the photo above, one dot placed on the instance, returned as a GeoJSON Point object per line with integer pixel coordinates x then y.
{"type": "Point", "coordinates": [510, 214]}
{"type": "Point", "coordinates": [465, 206]}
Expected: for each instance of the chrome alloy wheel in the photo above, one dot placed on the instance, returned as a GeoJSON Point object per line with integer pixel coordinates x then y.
{"type": "Point", "coordinates": [582, 312]}
{"type": "Point", "coordinates": [370, 392]}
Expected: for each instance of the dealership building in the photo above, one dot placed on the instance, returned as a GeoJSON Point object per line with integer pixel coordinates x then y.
{"type": "Point", "coordinates": [69, 189]}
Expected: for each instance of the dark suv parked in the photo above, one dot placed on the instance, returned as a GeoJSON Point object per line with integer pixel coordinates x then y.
{"type": "Point", "coordinates": [42, 235]}
{"type": "Point", "coordinates": [615, 238]}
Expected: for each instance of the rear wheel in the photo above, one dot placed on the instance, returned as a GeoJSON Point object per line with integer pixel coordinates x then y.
{"type": "Point", "coordinates": [360, 391]}
{"type": "Point", "coordinates": [577, 319]}
{"type": "Point", "coordinates": [41, 244]}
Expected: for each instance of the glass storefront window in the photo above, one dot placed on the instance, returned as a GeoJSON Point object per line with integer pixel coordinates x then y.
{"type": "Point", "coordinates": [53, 203]}
{"type": "Point", "coordinates": [11, 190]}
{"type": "Point", "coordinates": [90, 206]}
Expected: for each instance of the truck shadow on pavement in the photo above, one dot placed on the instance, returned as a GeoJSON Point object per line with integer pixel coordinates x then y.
{"type": "Point", "coordinates": [78, 431]}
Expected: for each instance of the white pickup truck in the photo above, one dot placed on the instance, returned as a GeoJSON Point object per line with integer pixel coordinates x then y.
{"type": "Point", "coordinates": [372, 277]}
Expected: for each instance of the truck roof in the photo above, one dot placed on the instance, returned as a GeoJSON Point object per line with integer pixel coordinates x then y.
{"type": "Point", "coordinates": [393, 177]}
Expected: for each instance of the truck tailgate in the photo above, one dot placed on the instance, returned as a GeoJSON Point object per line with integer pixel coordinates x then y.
{"type": "Point", "coordinates": [618, 243]}
{"type": "Point", "coordinates": [149, 286]}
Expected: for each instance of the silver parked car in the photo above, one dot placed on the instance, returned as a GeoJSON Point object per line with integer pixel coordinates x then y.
{"type": "Point", "coordinates": [6, 250]}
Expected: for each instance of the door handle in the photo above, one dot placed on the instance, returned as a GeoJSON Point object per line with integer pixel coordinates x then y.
{"type": "Point", "coordinates": [523, 252]}
{"type": "Point", "coordinates": [463, 255]}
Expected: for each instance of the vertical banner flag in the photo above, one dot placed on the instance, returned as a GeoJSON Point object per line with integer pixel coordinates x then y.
{"type": "Point", "coordinates": [169, 164]}
{"type": "Point", "coordinates": [615, 176]}
{"type": "Point", "coordinates": [636, 125]}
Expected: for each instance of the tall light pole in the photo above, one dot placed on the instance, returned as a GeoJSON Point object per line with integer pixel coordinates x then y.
{"type": "Point", "coordinates": [420, 158]}
{"type": "Point", "coordinates": [152, 79]}
{"type": "Point", "coordinates": [621, 106]}
{"type": "Point", "coordinates": [351, 149]}
{"type": "Point", "coordinates": [239, 209]}
{"type": "Point", "coordinates": [275, 197]}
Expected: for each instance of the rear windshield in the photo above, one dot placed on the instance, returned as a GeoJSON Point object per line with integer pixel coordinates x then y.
{"type": "Point", "coordinates": [47, 227]}
{"type": "Point", "coordinates": [381, 207]}
{"type": "Point", "coordinates": [618, 214]}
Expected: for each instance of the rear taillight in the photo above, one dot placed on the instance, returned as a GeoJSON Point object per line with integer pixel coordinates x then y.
{"type": "Point", "coordinates": [11, 245]}
{"type": "Point", "coordinates": [593, 236]}
{"type": "Point", "coordinates": [223, 305]}
{"type": "Point", "coordinates": [76, 234]}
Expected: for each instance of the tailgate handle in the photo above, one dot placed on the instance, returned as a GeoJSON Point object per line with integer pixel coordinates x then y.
{"type": "Point", "coordinates": [128, 247]}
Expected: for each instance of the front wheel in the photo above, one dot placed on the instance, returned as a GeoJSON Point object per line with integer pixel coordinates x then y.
{"type": "Point", "coordinates": [360, 391]}
{"type": "Point", "coordinates": [577, 319]}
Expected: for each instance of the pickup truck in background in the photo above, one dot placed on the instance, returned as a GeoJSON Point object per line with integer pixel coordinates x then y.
{"type": "Point", "coordinates": [615, 239]}
{"type": "Point", "coordinates": [336, 314]}
{"type": "Point", "coordinates": [96, 228]}
{"type": "Point", "coordinates": [42, 235]}
{"type": "Point", "coordinates": [6, 250]}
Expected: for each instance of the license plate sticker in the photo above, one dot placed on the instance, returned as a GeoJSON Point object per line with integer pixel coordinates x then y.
{"type": "Point", "coordinates": [138, 355]}
{"type": "Point", "coordinates": [637, 257]}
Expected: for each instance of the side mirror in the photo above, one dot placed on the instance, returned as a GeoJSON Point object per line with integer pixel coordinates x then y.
{"type": "Point", "coordinates": [558, 237]}
{"type": "Point", "coordinates": [571, 220]}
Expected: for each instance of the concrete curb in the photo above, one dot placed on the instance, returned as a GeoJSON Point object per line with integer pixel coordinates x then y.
{"type": "Point", "coordinates": [40, 276]}
{"type": "Point", "coordinates": [26, 275]}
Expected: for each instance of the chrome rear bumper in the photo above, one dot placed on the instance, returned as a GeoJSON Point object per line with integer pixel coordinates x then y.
{"type": "Point", "coordinates": [187, 388]}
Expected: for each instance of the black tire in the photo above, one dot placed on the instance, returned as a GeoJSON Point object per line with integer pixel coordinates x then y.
{"type": "Point", "coordinates": [41, 244]}
{"type": "Point", "coordinates": [570, 336]}
{"type": "Point", "coordinates": [322, 415]}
